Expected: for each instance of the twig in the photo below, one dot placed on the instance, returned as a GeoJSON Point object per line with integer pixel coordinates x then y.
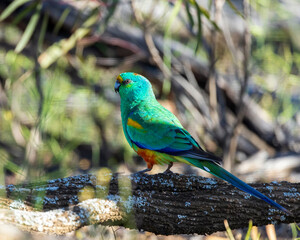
{"type": "Point", "coordinates": [241, 109]}
{"type": "Point", "coordinates": [150, 44]}
{"type": "Point", "coordinates": [212, 78]}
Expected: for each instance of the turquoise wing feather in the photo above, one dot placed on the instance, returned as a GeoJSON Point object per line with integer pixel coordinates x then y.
{"type": "Point", "coordinates": [155, 130]}
{"type": "Point", "coordinates": [154, 127]}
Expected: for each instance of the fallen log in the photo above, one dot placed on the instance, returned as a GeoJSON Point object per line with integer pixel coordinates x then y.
{"type": "Point", "coordinates": [164, 204]}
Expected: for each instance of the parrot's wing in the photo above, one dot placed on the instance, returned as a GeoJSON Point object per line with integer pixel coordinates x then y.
{"type": "Point", "coordinates": [161, 131]}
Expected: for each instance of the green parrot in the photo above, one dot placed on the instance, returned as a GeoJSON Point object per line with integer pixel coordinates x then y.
{"type": "Point", "coordinates": [158, 137]}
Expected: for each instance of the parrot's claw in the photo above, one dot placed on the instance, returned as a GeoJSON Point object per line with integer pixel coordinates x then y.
{"type": "Point", "coordinates": [143, 171]}
{"type": "Point", "coordinates": [168, 171]}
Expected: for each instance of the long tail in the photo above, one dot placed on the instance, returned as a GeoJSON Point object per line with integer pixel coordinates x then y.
{"type": "Point", "coordinates": [220, 172]}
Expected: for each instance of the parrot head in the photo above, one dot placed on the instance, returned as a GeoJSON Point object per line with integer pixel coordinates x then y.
{"type": "Point", "coordinates": [133, 87]}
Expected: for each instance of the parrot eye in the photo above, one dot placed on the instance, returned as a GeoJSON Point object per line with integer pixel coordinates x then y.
{"type": "Point", "coordinates": [126, 81]}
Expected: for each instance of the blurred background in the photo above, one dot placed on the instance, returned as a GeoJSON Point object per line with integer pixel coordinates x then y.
{"type": "Point", "coordinates": [229, 70]}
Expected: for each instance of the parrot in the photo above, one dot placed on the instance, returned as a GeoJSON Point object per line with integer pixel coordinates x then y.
{"type": "Point", "coordinates": [156, 134]}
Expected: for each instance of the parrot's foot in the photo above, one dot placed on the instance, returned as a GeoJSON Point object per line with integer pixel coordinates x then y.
{"type": "Point", "coordinates": [168, 171]}
{"type": "Point", "coordinates": [145, 170]}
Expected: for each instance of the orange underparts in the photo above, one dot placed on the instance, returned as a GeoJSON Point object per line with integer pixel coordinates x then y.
{"type": "Point", "coordinates": [148, 155]}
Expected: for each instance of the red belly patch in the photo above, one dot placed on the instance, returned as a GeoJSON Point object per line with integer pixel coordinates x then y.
{"type": "Point", "coordinates": [148, 155]}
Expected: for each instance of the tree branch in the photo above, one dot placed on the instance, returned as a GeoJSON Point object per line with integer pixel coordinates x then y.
{"type": "Point", "coordinates": [163, 204]}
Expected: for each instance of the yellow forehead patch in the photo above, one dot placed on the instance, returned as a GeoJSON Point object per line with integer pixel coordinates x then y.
{"type": "Point", "coordinates": [119, 79]}
{"type": "Point", "coordinates": [134, 124]}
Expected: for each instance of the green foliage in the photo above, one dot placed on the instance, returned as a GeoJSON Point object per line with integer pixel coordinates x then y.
{"type": "Point", "coordinates": [54, 116]}
{"type": "Point", "coordinates": [68, 114]}
{"type": "Point", "coordinates": [247, 237]}
{"type": "Point", "coordinates": [276, 60]}
{"type": "Point", "coordinates": [11, 8]}
{"type": "Point", "coordinates": [295, 230]}
{"type": "Point", "coordinates": [61, 20]}
{"type": "Point", "coordinates": [29, 29]}
{"type": "Point", "coordinates": [277, 67]}
{"type": "Point", "coordinates": [36, 6]}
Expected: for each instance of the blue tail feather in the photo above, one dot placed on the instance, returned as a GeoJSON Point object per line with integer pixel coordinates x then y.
{"type": "Point", "coordinates": [220, 172]}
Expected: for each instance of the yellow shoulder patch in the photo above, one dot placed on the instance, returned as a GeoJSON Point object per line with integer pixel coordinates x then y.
{"type": "Point", "coordinates": [134, 124]}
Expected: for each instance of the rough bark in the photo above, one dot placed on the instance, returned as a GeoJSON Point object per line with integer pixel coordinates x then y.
{"type": "Point", "coordinates": [163, 204]}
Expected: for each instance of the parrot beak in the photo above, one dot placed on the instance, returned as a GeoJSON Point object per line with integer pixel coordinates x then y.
{"type": "Point", "coordinates": [117, 86]}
